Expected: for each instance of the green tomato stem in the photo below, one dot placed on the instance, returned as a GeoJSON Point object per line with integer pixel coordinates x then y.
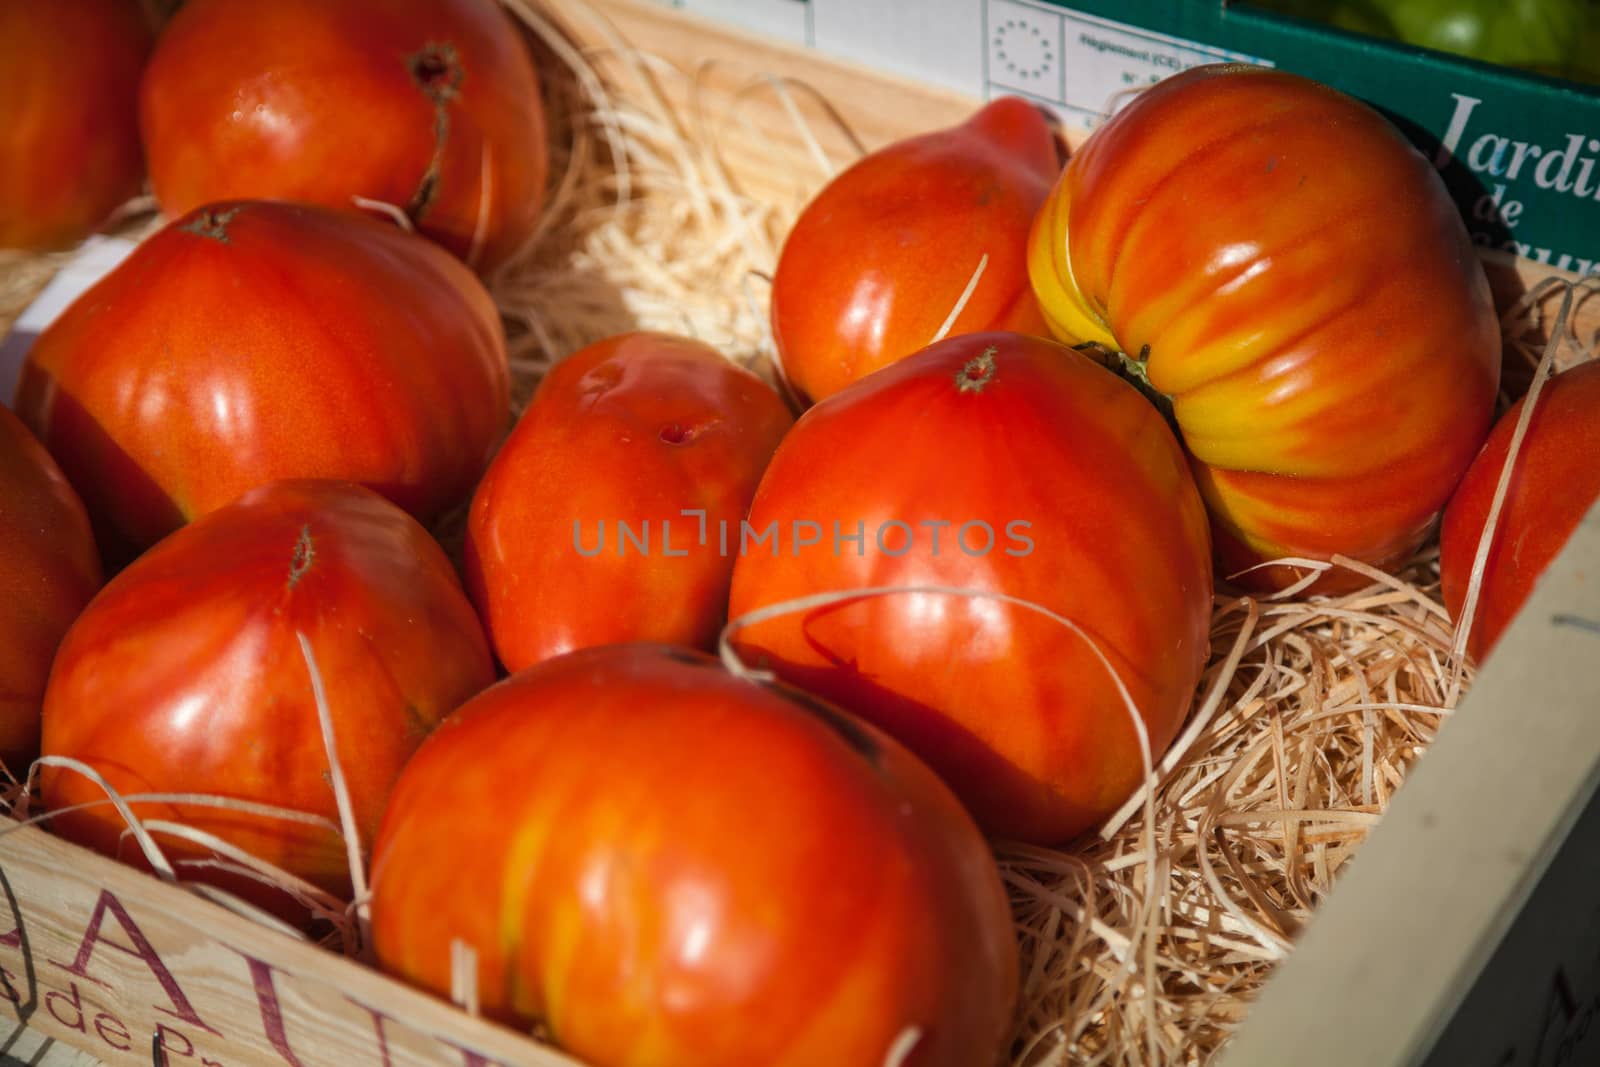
{"type": "Point", "coordinates": [1135, 371]}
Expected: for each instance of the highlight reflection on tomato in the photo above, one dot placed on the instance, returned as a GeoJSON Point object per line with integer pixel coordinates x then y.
{"type": "Point", "coordinates": [1009, 464]}
{"type": "Point", "coordinates": [185, 675]}
{"type": "Point", "coordinates": [1291, 273]}
{"type": "Point", "coordinates": [669, 865]}
{"type": "Point", "coordinates": [881, 258]}
{"type": "Point", "coordinates": [254, 341]}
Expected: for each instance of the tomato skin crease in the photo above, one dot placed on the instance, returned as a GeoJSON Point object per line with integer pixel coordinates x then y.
{"type": "Point", "coordinates": [1554, 484]}
{"type": "Point", "coordinates": [282, 101]}
{"type": "Point", "coordinates": [881, 257]}
{"type": "Point", "coordinates": [1305, 293]}
{"type": "Point", "coordinates": [1014, 709]}
{"type": "Point", "coordinates": [690, 869]}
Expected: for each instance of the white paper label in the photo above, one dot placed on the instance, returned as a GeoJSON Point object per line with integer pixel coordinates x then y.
{"type": "Point", "coordinates": [1085, 67]}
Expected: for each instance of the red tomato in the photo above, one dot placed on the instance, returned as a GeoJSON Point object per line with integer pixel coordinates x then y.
{"type": "Point", "coordinates": [69, 141]}
{"type": "Point", "coordinates": [880, 258]}
{"type": "Point", "coordinates": [578, 534]}
{"type": "Point", "coordinates": [256, 341]}
{"type": "Point", "coordinates": [1555, 483]}
{"type": "Point", "coordinates": [185, 675]}
{"type": "Point", "coordinates": [48, 571]}
{"type": "Point", "coordinates": [430, 105]}
{"type": "Point", "coordinates": [1294, 276]}
{"type": "Point", "coordinates": [1054, 482]}
{"type": "Point", "coordinates": [669, 865]}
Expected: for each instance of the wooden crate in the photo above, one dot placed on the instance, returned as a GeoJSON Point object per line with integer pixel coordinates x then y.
{"type": "Point", "coordinates": [112, 962]}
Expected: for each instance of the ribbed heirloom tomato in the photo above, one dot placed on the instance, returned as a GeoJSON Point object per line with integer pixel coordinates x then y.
{"type": "Point", "coordinates": [600, 518]}
{"type": "Point", "coordinates": [254, 341]}
{"type": "Point", "coordinates": [429, 105]}
{"type": "Point", "coordinates": [1292, 274]}
{"type": "Point", "coordinates": [885, 254]}
{"type": "Point", "coordinates": [1554, 484]}
{"type": "Point", "coordinates": [1012, 465]}
{"type": "Point", "coordinates": [670, 866]}
{"type": "Point", "coordinates": [185, 675]}
{"type": "Point", "coordinates": [69, 140]}
{"type": "Point", "coordinates": [48, 571]}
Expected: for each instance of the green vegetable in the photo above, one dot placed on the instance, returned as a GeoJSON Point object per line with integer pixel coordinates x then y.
{"type": "Point", "coordinates": [1357, 16]}
{"type": "Point", "coordinates": [1554, 37]}
{"type": "Point", "coordinates": [1532, 34]}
